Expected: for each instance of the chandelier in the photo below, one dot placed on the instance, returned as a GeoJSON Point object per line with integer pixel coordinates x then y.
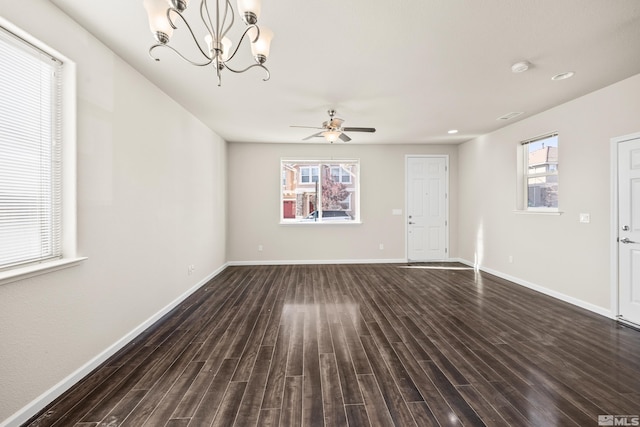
{"type": "Point", "coordinates": [216, 49]}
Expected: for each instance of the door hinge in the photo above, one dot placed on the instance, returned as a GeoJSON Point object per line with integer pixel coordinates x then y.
{"type": "Point", "coordinates": [446, 250]}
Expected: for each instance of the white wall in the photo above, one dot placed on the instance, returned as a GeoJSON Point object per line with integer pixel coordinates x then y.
{"type": "Point", "coordinates": [557, 253]}
{"type": "Point", "coordinates": [254, 204]}
{"type": "Point", "coordinates": [151, 201]}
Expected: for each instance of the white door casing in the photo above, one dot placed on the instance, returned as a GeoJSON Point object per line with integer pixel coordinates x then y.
{"type": "Point", "coordinates": [427, 199]}
{"type": "Point", "coordinates": [629, 230]}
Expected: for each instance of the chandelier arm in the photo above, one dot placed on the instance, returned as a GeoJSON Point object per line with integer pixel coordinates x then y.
{"type": "Point", "coordinates": [249, 67]}
{"type": "Point", "coordinates": [206, 19]}
{"type": "Point", "coordinates": [242, 38]}
{"type": "Point", "coordinates": [199, 64]}
{"type": "Point", "coordinates": [226, 12]}
{"type": "Point", "coordinates": [195, 39]}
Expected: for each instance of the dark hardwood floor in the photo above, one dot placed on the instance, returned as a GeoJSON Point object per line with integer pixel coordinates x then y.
{"type": "Point", "coordinates": [360, 345]}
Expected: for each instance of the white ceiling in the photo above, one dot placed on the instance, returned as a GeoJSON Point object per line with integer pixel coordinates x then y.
{"type": "Point", "coordinates": [411, 68]}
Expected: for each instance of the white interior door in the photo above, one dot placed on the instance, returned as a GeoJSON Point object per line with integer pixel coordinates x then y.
{"type": "Point", "coordinates": [427, 208]}
{"type": "Point", "coordinates": [629, 230]}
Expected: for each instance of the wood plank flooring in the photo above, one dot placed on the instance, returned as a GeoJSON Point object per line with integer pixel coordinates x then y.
{"type": "Point", "coordinates": [359, 345]}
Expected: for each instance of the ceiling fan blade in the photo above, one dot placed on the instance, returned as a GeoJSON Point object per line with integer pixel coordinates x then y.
{"type": "Point", "coordinates": [306, 127]}
{"type": "Point", "coordinates": [359, 129]}
{"type": "Point", "coordinates": [344, 137]}
{"type": "Point", "coordinates": [312, 136]}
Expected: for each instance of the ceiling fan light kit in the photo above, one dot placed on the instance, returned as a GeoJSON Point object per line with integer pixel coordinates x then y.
{"type": "Point", "coordinates": [332, 129]}
{"type": "Point", "coordinates": [217, 48]}
{"type": "Point", "coordinates": [331, 135]}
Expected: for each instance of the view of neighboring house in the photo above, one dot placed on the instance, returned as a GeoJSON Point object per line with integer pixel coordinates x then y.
{"type": "Point", "coordinates": [311, 187]}
{"type": "Point", "coordinates": [542, 175]}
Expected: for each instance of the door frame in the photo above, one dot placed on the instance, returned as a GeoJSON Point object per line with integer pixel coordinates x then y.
{"type": "Point", "coordinates": [614, 256]}
{"type": "Point", "coordinates": [406, 202]}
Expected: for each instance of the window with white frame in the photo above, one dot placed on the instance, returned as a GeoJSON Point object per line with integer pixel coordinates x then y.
{"type": "Point", "coordinates": [320, 191]}
{"type": "Point", "coordinates": [340, 174]}
{"type": "Point", "coordinates": [309, 174]}
{"type": "Point", "coordinates": [31, 156]}
{"type": "Point", "coordinates": [540, 173]}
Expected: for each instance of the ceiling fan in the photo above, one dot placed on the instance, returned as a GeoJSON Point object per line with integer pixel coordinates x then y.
{"type": "Point", "coordinates": [332, 129]}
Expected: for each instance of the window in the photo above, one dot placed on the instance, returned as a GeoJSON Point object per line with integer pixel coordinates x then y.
{"type": "Point", "coordinates": [340, 174]}
{"type": "Point", "coordinates": [320, 191]}
{"type": "Point", "coordinates": [32, 207]}
{"type": "Point", "coordinates": [309, 174]}
{"type": "Point", "coordinates": [540, 173]}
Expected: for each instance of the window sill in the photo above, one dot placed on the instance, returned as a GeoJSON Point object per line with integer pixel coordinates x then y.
{"type": "Point", "coordinates": [38, 269]}
{"type": "Point", "coordinates": [314, 223]}
{"type": "Point", "coordinates": [523, 212]}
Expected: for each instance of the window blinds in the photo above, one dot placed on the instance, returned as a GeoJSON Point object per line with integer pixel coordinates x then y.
{"type": "Point", "coordinates": [539, 138]}
{"type": "Point", "coordinates": [30, 153]}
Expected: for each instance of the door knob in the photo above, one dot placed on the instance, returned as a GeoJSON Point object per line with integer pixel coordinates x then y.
{"type": "Point", "coordinates": [625, 228]}
{"type": "Point", "coordinates": [625, 240]}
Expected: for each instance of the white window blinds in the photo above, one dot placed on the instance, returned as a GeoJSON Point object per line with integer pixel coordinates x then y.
{"type": "Point", "coordinates": [30, 153]}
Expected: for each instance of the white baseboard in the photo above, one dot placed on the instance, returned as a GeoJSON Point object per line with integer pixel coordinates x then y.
{"type": "Point", "coordinates": [558, 295]}
{"type": "Point", "coordinates": [322, 261]}
{"type": "Point", "coordinates": [38, 404]}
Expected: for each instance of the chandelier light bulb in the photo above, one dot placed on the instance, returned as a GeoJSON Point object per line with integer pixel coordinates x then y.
{"type": "Point", "coordinates": [260, 48]}
{"type": "Point", "coordinates": [226, 48]}
{"type": "Point", "coordinates": [208, 39]}
{"type": "Point", "coordinates": [249, 10]}
{"type": "Point", "coordinates": [158, 21]}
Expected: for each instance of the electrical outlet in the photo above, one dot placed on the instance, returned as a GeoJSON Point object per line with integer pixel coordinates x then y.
{"type": "Point", "coordinates": [260, 248]}
{"type": "Point", "coordinates": [190, 269]}
{"type": "Point", "coordinates": [381, 246]}
{"type": "Point", "coordinates": [585, 218]}
{"type": "Point", "coordinates": [510, 259]}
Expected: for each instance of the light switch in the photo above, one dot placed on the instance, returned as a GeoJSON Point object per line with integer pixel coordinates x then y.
{"type": "Point", "coordinates": [585, 218]}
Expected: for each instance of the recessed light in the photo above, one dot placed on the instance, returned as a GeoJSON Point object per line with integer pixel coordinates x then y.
{"type": "Point", "coordinates": [520, 67]}
{"type": "Point", "coordinates": [563, 76]}
{"type": "Point", "coordinates": [452, 131]}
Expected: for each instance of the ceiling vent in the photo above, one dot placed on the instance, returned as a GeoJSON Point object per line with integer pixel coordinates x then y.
{"type": "Point", "coordinates": [511, 115]}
